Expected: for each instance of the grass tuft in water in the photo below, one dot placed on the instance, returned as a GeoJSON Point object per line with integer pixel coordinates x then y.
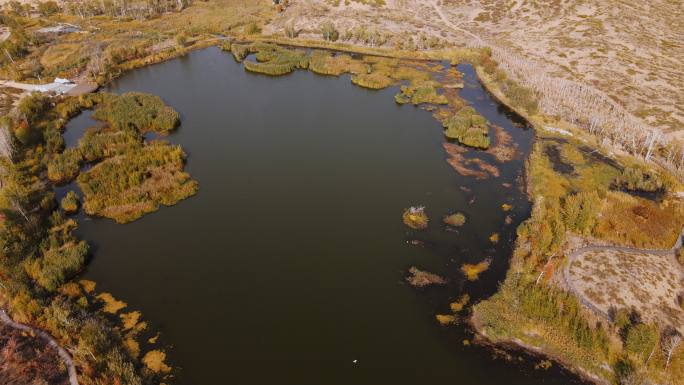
{"type": "Point", "coordinates": [472, 271]}
{"type": "Point", "coordinates": [468, 128]}
{"type": "Point", "coordinates": [415, 218]}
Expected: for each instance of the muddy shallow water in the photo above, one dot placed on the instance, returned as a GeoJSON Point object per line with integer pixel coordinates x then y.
{"type": "Point", "coordinates": [290, 262]}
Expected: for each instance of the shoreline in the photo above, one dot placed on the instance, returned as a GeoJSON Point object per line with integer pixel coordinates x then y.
{"type": "Point", "coordinates": [487, 83]}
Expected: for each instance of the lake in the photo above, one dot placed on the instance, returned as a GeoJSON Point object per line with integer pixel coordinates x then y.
{"type": "Point", "coordinates": [290, 263]}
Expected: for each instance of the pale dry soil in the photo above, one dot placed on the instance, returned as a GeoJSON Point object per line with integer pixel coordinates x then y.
{"type": "Point", "coordinates": [649, 282]}
{"type": "Point", "coordinates": [631, 50]}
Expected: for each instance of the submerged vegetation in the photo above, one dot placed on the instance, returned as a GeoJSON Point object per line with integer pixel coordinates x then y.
{"type": "Point", "coordinates": [420, 278]}
{"type": "Point", "coordinates": [456, 219]}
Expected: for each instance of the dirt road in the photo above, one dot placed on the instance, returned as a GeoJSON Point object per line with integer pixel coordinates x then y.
{"type": "Point", "coordinates": [63, 354]}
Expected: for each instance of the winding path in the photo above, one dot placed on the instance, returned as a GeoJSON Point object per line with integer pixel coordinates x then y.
{"type": "Point", "coordinates": [63, 354]}
{"type": "Point", "coordinates": [576, 253]}
{"type": "Point", "coordinates": [453, 26]}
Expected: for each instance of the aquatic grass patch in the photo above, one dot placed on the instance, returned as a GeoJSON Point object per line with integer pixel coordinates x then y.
{"type": "Point", "coordinates": [110, 304]}
{"type": "Point", "coordinates": [455, 220]}
{"type": "Point", "coordinates": [468, 128]}
{"type": "Point", "coordinates": [473, 271]}
{"type": "Point", "coordinates": [445, 319]}
{"type": "Point", "coordinates": [155, 361]}
{"type": "Point", "coordinates": [70, 202]}
{"type": "Point", "coordinates": [136, 111]}
{"type": "Point", "coordinates": [475, 167]}
{"type": "Point", "coordinates": [239, 51]}
{"type": "Point", "coordinates": [64, 167]}
{"type": "Point", "coordinates": [273, 60]}
{"type": "Point", "coordinates": [458, 305]}
{"type": "Point", "coordinates": [99, 143]}
{"type": "Point", "coordinates": [420, 278]}
{"type": "Point", "coordinates": [415, 217]}
{"type": "Point", "coordinates": [324, 62]}
{"type": "Point", "coordinates": [372, 80]}
{"type": "Point", "coordinates": [420, 93]}
{"type": "Point", "coordinates": [504, 149]}
{"type": "Point", "coordinates": [130, 185]}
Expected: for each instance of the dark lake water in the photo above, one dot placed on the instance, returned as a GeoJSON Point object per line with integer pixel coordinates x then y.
{"type": "Point", "coordinates": [290, 262]}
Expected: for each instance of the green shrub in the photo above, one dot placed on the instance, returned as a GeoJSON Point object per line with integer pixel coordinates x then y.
{"type": "Point", "coordinates": [181, 39]}
{"type": "Point", "coordinates": [48, 8]}
{"type": "Point", "coordinates": [329, 31]}
{"type": "Point", "coordinates": [639, 179]}
{"type": "Point", "coordinates": [580, 210]}
{"type": "Point", "coordinates": [57, 264]}
{"type": "Point", "coordinates": [520, 96]}
{"type": "Point", "coordinates": [252, 28]}
{"type": "Point", "coordinates": [64, 167]}
{"type": "Point", "coordinates": [642, 340]}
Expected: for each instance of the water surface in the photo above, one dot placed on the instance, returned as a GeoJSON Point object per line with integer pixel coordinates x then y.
{"type": "Point", "coordinates": [290, 262]}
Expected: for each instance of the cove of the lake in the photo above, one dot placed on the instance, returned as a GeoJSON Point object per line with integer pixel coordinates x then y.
{"type": "Point", "coordinates": [289, 266]}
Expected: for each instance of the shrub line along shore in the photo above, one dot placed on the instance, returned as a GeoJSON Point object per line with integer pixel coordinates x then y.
{"type": "Point", "coordinates": [454, 55]}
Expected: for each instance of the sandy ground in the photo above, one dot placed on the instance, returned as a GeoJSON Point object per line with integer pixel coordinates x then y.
{"type": "Point", "coordinates": [649, 282]}
{"type": "Point", "coordinates": [628, 49]}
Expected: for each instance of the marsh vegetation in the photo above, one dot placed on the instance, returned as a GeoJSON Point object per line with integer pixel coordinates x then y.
{"type": "Point", "coordinates": [133, 177]}
{"type": "Point", "coordinates": [582, 202]}
{"type": "Point", "coordinates": [415, 217]}
{"type": "Point", "coordinates": [41, 254]}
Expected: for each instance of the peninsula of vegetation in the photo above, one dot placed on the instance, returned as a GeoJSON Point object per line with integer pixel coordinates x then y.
{"type": "Point", "coordinates": [596, 281]}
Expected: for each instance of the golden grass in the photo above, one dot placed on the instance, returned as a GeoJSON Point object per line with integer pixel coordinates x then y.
{"type": "Point", "coordinates": [494, 238]}
{"type": "Point", "coordinates": [638, 222]}
{"type": "Point", "coordinates": [111, 304]}
{"type": "Point", "coordinates": [415, 218]}
{"type": "Point", "coordinates": [457, 306]}
{"type": "Point", "coordinates": [445, 319]}
{"type": "Point", "coordinates": [456, 220]}
{"type": "Point", "coordinates": [154, 360]}
{"type": "Point", "coordinates": [473, 271]}
{"type": "Point", "coordinates": [132, 347]}
{"type": "Point", "coordinates": [87, 285]}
